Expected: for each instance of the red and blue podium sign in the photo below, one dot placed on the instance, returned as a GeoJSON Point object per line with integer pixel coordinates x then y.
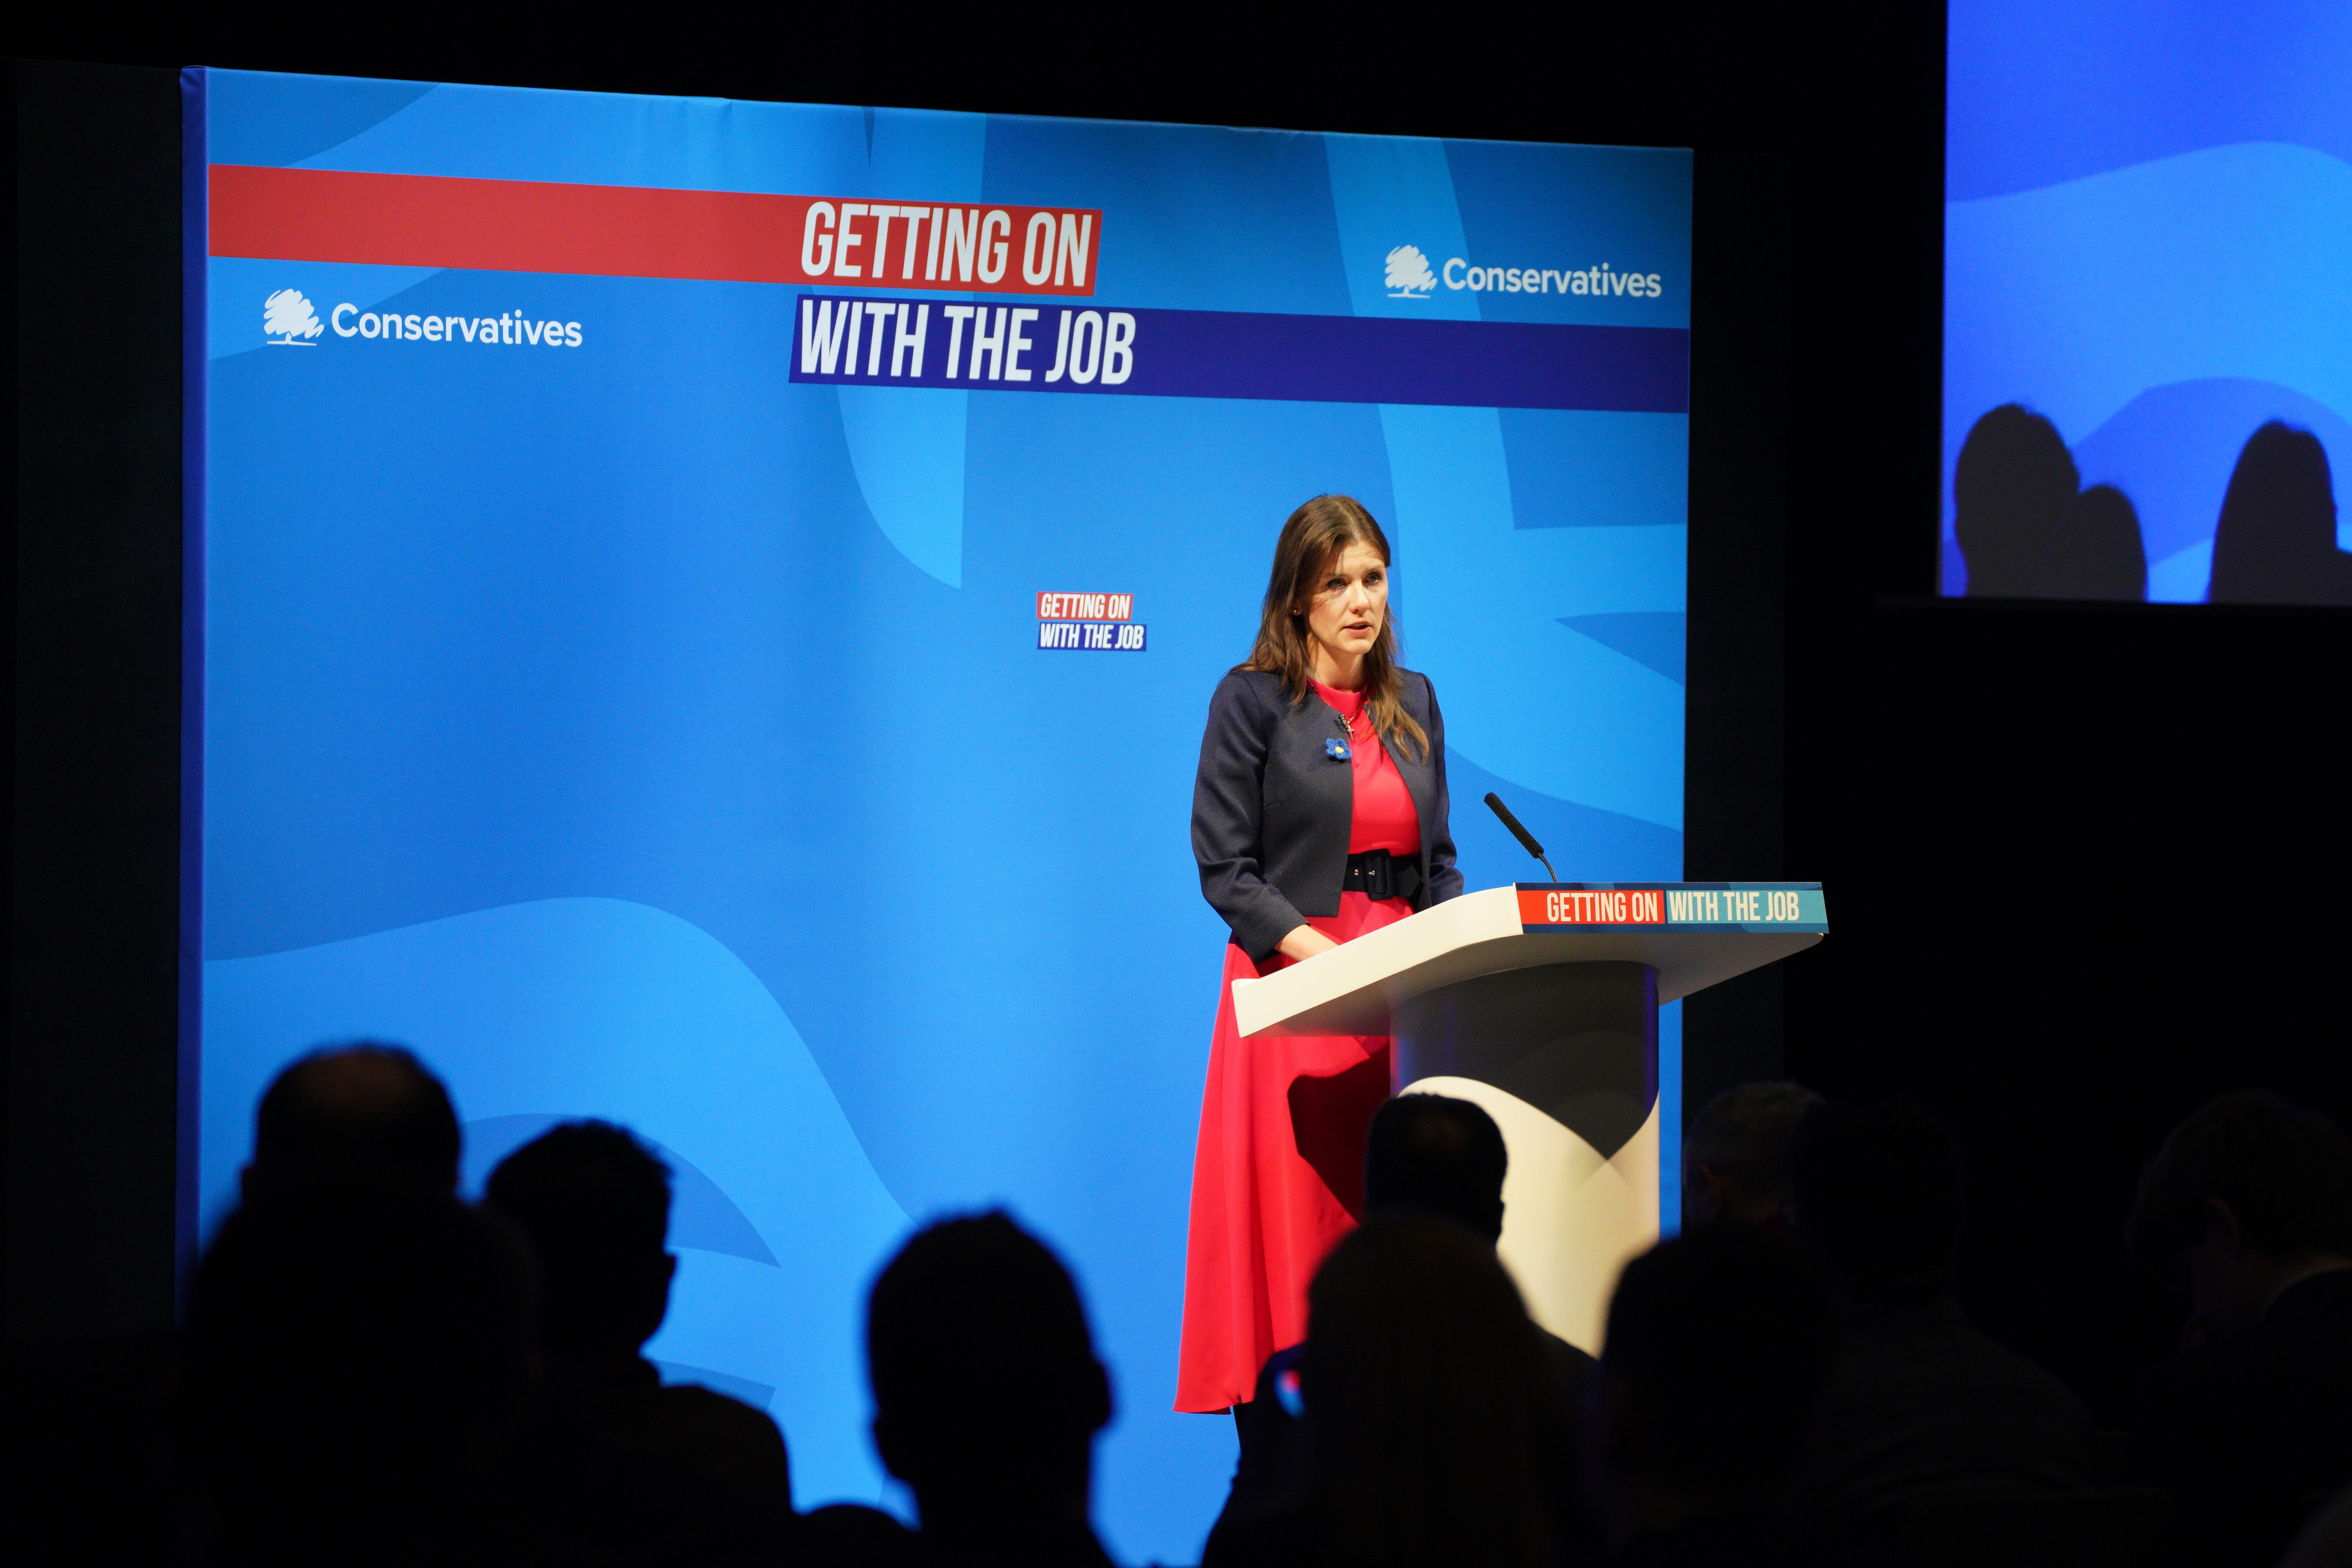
{"type": "Point", "coordinates": [1794, 907]}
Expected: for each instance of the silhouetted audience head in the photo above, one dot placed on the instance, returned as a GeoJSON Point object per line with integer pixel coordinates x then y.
{"type": "Point", "coordinates": [358, 1360]}
{"type": "Point", "coordinates": [1718, 1346]}
{"type": "Point", "coordinates": [987, 1394]}
{"type": "Point", "coordinates": [1876, 1192]}
{"type": "Point", "coordinates": [1429, 1159]}
{"type": "Point", "coordinates": [2100, 554]}
{"type": "Point", "coordinates": [2275, 541]}
{"type": "Point", "coordinates": [1427, 1401]}
{"type": "Point", "coordinates": [1735, 1155]}
{"type": "Point", "coordinates": [594, 1207]}
{"type": "Point", "coordinates": [618, 1466]}
{"type": "Point", "coordinates": [369, 1115]}
{"type": "Point", "coordinates": [2012, 489]}
{"type": "Point", "coordinates": [1446, 1156]}
{"type": "Point", "coordinates": [2243, 1198]}
{"type": "Point", "coordinates": [853, 1535]}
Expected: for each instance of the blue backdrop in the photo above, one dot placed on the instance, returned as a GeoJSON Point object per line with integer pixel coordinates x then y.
{"type": "Point", "coordinates": [2149, 241]}
{"type": "Point", "coordinates": [640, 733]}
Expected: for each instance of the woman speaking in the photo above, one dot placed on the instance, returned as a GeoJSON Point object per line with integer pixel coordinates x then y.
{"type": "Point", "coordinates": [1318, 814]}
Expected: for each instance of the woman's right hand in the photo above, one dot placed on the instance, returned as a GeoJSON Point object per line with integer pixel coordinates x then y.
{"type": "Point", "coordinates": [1305, 942]}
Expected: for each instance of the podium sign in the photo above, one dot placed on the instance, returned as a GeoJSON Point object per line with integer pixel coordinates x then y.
{"type": "Point", "coordinates": [1540, 1002]}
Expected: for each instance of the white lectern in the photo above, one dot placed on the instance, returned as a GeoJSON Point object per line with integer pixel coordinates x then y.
{"type": "Point", "coordinates": [1539, 1002]}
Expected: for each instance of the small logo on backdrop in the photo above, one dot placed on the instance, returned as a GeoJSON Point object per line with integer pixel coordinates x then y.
{"type": "Point", "coordinates": [288, 322]}
{"type": "Point", "coordinates": [1090, 622]}
{"type": "Point", "coordinates": [510, 328]}
{"type": "Point", "coordinates": [1593, 280]}
{"type": "Point", "coordinates": [1409, 276]}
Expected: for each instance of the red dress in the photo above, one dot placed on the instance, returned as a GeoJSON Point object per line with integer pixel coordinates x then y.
{"type": "Point", "coordinates": [1278, 1172]}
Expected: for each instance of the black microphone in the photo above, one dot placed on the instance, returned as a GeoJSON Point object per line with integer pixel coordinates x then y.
{"type": "Point", "coordinates": [1526, 840]}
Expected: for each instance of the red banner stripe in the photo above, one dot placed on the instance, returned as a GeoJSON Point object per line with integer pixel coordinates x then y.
{"type": "Point", "coordinates": [631, 231]}
{"type": "Point", "coordinates": [1593, 907]}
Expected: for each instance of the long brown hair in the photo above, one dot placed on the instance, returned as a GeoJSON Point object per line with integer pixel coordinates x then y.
{"type": "Point", "coordinates": [1315, 537]}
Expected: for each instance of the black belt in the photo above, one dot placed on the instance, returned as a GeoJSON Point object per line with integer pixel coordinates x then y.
{"type": "Point", "coordinates": [1377, 874]}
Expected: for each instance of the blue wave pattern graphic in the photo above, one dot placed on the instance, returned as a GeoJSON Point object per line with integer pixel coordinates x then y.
{"type": "Point", "coordinates": [2227, 264]}
{"type": "Point", "coordinates": [640, 735]}
{"type": "Point", "coordinates": [908, 446]}
{"type": "Point", "coordinates": [2039, 94]}
{"type": "Point", "coordinates": [2171, 449]}
{"type": "Point", "coordinates": [2148, 220]}
{"type": "Point", "coordinates": [703, 1217]}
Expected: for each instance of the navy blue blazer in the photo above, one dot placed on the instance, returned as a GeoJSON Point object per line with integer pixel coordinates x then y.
{"type": "Point", "coordinates": [1271, 807]}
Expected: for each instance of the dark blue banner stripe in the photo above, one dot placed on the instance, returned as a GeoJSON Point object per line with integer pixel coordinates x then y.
{"type": "Point", "coordinates": [1236, 354]}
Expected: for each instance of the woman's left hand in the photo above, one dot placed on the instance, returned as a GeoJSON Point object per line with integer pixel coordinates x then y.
{"type": "Point", "coordinates": [1305, 942]}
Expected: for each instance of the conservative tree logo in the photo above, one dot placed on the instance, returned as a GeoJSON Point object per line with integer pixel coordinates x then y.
{"type": "Point", "coordinates": [1409, 276]}
{"type": "Point", "coordinates": [289, 321]}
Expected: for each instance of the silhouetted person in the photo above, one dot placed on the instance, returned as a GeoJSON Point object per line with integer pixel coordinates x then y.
{"type": "Point", "coordinates": [1921, 1407]}
{"type": "Point", "coordinates": [1432, 1420]}
{"type": "Point", "coordinates": [851, 1535]}
{"type": "Point", "coordinates": [1717, 1346]}
{"type": "Point", "coordinates": [2248, 1207]}
{"type": "Point", "coordinates": [2275, 542]}
{"type": "Point", "coordinates": [1430, 1153]}
{"type": "Point", "coordinates": [2012, 489]}
{"type": "Point", "coordinates": [358, 1342]}
{"type": "Point", "coordinates": [2100, 554]}
{"type": "Point", "coordinates": [677, 1474]}
{"type": "Point", "coordinates": [1426, 1153]}
{"type": "Point", "coordinates": [987, 1394]}
{"type": "Point", "coordinates": [1440, 1155]}
{"type": "Point", "coordinates": [366, 1114]}
{"type": "Point", "coordinates": [1736, 1156]}
{"type": "Point", "coordinates": [359, 1361]}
